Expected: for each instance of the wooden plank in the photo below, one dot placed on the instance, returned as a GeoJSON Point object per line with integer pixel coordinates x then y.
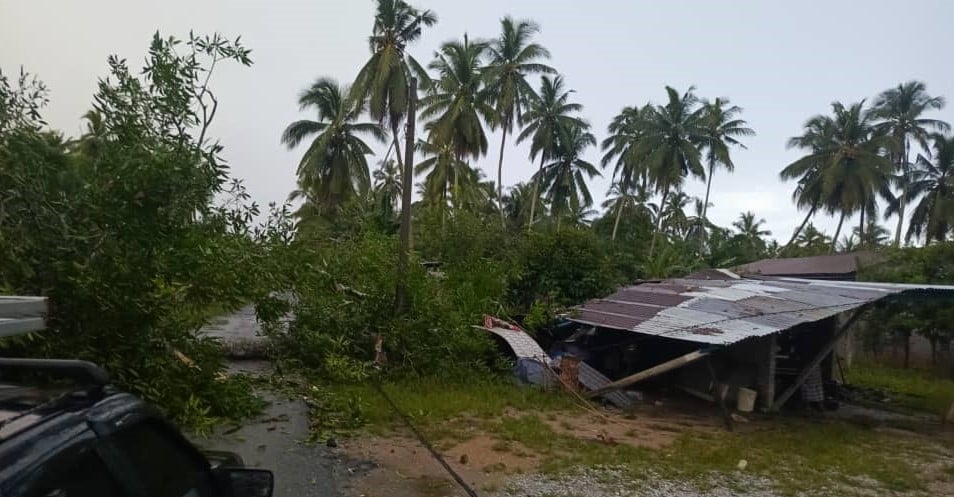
{"type": "Point", "coordinates": [819, 357]}
{"type": "Point", "coordinates": [649, 373]}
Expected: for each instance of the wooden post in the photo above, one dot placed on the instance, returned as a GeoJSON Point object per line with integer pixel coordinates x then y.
{"type": "Point", "coordinates": [719, 394]}
{"type": "Point", "coordinates": [649, 373]}
{"type": "Point", "coordinates": [766, 372]}
{"type": "Point", "coordinates": [816, 361]}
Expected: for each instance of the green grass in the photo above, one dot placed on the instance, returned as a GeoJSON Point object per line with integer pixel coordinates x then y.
{"type": "Point", "coordinates": [913, 389]}
{"type": "Point", "coordinates": [799, 455]}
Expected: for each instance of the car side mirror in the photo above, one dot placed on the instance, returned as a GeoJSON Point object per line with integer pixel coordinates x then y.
{"type": "Point", "coordinates": [246, 482]}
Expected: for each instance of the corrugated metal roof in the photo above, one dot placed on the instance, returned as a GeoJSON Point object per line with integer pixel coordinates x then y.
{"type": "Point", "coordinates": [821, 266]}
{"type": "Point", "coordinates": [722, 312]}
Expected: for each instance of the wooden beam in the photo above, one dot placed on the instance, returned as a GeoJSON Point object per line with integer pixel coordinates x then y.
{"type": "Point", "coordinates": [825, 350]}
{"type": "Point", "coordinates": [649, 373]}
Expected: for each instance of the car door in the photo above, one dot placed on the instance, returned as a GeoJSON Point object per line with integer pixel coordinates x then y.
{"type": "Point", "coordinates": [163, 462]}
{"type": "Point", "coordinates": [78, 470]}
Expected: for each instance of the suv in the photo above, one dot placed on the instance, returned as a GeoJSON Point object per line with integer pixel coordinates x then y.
{"type": "Point", "coordinates": [96, 442]}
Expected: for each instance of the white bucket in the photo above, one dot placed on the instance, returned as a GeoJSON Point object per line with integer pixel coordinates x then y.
{"type": "Point", "coordinates": [746, 399]}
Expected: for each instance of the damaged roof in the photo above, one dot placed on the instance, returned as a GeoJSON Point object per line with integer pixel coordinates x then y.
{"type": "Point", "coordinates": [837, 266]}
{"type": "Point", "coordinates": [726, 311]}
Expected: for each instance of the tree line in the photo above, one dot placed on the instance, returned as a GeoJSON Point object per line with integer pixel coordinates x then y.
{"type": "Point", "coordinates": [857, 159]}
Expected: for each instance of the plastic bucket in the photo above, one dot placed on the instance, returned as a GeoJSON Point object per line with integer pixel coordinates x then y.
{"type": "Point", "coordinates": [746, 399]}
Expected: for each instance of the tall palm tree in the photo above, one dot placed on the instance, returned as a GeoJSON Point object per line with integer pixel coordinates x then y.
{"type": "Point", "coordinates": [457, 101]}
{"type": "Point", "coordinates": [622, 147]}
{"type": "Point", "coordinates": [563, 179]}
{"type": "Point", "coordinates": [674, 217]}
{"type": "Point", "coordinates": [513, 57]}
{"type": "Point", "coordinates": [335, 166]}
{"type": "Point", "coordinates": [750, 227]}
{"type": "Point", "coordinates": [548, 114]}
{"type": "Point", "coordinates": [934, 181]}
{"type": "Point", "coordinates": [901, 109]}
{"type": "Point", "coordinates": [672, 135]}
{"type": "Point", "coordinates": [723, 128]}
{"type": "Point", "coordinates": [383, 81]}
{"type": "Point", "coordinates": [845, 161]}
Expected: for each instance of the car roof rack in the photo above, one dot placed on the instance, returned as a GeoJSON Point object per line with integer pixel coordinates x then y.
{"type": "Point", "coordinates": [83, 372]}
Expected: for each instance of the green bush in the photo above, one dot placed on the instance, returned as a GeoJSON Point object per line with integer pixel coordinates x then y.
{"type": "Point", "coordinates": [121, 229]}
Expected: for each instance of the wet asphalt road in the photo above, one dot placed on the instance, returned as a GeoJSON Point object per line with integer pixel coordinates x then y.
{"type": "Point", "coordinates": [275, 439]}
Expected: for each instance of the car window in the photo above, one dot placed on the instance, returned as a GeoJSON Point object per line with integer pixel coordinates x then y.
{"type": "Point", "coordinates": [76, 472]}
{"type": "Point", "coordinates": [166, 467]}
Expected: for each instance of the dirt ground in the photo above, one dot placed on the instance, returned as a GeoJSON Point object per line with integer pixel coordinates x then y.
{"type": "Point", "coordinates": [402, 467]}
{"type": "Point", "coordinates": [398, 465]}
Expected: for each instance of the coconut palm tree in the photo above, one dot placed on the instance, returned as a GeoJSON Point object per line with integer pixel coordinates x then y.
{"type": "Point", "coordinates": [750, 234]}
{"type": "Point", "coordinates": [674, 217]}
{"type": "Point", "coordinates": [723, 128]}
{"type": "Point", "coordinates": [387, 187]}
{"type": "Point", "coordinates": [901, 111]}
{"type": "Point", "coordinates": [335, 166]}
{"type": "Point", "coordinates": [873, 235]}
{"type": "Point", "coordinates": [548, 114]}
{"type": "Point", "coordinates": [563, 179]}
{"type": "Point", "coordinates": [620, 198]}
{"type": "Point", "coordinates": [444, 172]}
{"type": "Point", "coordinates": [933, 217]}
{"type": "Point", "coordinates": [383, 81]}
{"type": "Point", "coordinates": [513, 57]}
{"type": "Point", "coordinates": [845, 161]}
{"type": "Point", "coordinates": [812, 241]}
{"type": "Point", "coordinates": [457, 102]}
{"type": "Point", "coordinates": [672, 135]}
{"type": "Point", "coordinates": [622, 147]}
{"type": "Point", "coordinates": [517, 203]}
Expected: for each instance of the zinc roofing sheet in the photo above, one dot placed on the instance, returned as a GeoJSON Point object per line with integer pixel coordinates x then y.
{"type": "Point", "coordinates": [725, 312]}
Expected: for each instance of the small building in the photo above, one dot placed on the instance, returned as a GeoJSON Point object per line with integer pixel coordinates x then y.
{"type": "Point", "coordinates": [714, 333]}
{"type": "Point", "coordinates": [841, 267]}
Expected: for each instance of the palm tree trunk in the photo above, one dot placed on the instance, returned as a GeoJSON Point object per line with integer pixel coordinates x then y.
{"type": "Point", "coordinates": [811, 212]}
{"type": "Point", "coordinates": [397, 145]}
{"type": "Point", "coordinates": [705, 206]}
{"type": "Point", "coordinates": [619, 212]}
{"type": "Point", "coordinates": [503, 141]}
{"type": "Point", "coordinates": [662, 202]}
{"type": "Point", "coordinates": [861, 229]}
{"type": "Point", "coordinates": [903, 166]}
{"type": "Point", "coordinates": [536, 194]}
{"type": "Point", "coordinates": [404, 250]}
{"type": "Point", "coordinates": [559, 219]}
{"type": "Point", "coordinates": [834, 239]}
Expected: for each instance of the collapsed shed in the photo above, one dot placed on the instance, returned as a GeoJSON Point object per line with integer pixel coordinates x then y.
{"type": "Point", "coordinates": [716, 330]}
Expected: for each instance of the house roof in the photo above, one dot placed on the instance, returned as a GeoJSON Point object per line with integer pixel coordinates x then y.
{"type": "Point", "coordinates": [726, 311]}
{"type": "Point", "coordinates": [838, 265]}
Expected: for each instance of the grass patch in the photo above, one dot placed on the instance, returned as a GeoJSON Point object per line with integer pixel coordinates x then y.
{"type": "Point", "coordinates": [800, 456]}
{"type": "Point", "coordinates": [912, 388]}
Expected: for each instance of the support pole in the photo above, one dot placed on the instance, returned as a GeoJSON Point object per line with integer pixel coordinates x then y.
{"type": "Point", "coordinates": [825, 350]}
{"type": "Point", "coordinates": [649, 373]}
{"type": "Point", "coordinates": [766, 381]}
{"type": "Point", "coordinates": [719, 396]}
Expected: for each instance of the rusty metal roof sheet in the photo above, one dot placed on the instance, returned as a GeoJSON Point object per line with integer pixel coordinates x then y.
{"type": "Point", "coordinates": [722, 312]}
{"type": "Point", "coordinates": [843, 265]}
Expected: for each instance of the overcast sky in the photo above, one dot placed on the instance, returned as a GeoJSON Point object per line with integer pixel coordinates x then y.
{"type": "Point", "coordinates": [782, 61]}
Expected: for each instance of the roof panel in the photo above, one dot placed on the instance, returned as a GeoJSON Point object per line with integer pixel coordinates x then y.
{"type": "Point", "coordinates": [725, 312]}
